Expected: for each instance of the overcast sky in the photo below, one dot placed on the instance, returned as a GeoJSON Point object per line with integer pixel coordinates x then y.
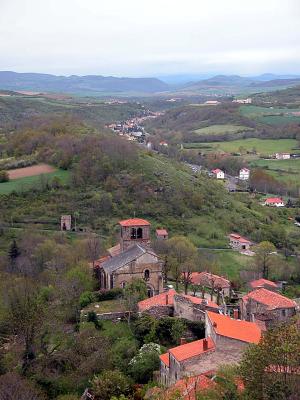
{"type": "Point", "coordinates": [150, 37]}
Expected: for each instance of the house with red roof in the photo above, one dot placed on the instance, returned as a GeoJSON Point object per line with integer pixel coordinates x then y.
{"type": "Point", "coordinates": [162, 234]}
{"type": "Point", "coordinates": [193, 308]}
{"type": "Point", "coordinates": [189, 387]}
{"type": "Point", "coordinates": [266, 306]}
{"type": "Point", "coordinates": [263, 283]}
{"type": "Point", "coordinates": [211, 281]}
{"type": "Point", "coordinates": [218, 173]}
{"type": "Point", "coordinates": [274, 202]}
{"type": "Point", "coordinates": [225, 342]}
{"type": "Point", "coordinates": [158, 306]}
{"type": "Point", "coordinates": [238, 242]}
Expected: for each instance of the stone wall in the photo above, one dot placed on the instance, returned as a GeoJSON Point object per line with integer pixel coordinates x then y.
{"type": "Point", "coordinates": [185, 308]}
{"type": "Point", "coordinates": [160, 311]}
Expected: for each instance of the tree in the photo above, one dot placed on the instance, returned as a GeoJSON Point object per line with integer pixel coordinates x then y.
{"type": "Point", "coordinates": [142, 366]}
{"type": "Point", "coordinates": [25, 312]}
{"type": "Point", "coordinates": [264, 258]}
{"type": "Point", "coordinates": [134, 292]}
{"type": "Point", "coordinates": [4, 177]}
{"type": "Point", "coordinates": [181, 258]}
{"type": "Point", "coordinates": [109, 384]}
{"type": "Point", "coordinates": [13, 253]}
{"type": "Point", "coordinates": [93, 248]}
{"type": "Point", "coordinates": [270, 369]}
{"type": "Point", "coordinates": [15, 387]}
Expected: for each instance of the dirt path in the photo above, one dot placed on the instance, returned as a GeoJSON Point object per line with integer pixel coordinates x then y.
{"type": "Point", "coordinates": [30, 171]}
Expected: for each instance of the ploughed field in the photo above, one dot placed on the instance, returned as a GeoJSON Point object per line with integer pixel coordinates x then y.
{"type": "Point", "coordinates": [30, 171]}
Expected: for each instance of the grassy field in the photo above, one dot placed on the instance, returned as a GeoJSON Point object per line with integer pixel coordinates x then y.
{"type": "Point", "coordinates": [221, 129]}
{"type": "Point", "coordinates": [287, 170]}
{"type": "Point", "coordinates": [25, 184]}
{"type": "Point", "coordinates": [268, 146]}
{"type": "Point", "coordinates": [105, 306]}
{"type": "Point", "coordinates": [270, 115]}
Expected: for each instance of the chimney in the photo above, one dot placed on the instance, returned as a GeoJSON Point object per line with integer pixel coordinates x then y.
{"type": "Point", "coordinates": [215, 325]}
{"type": "Point", "coordinates": [205, 344]}
{"type": "Point", "coordinates": [167, 299]}
{"type": "Point", "coordinates": [235, 313]}
{"type": "Point", "coordinates": [182, 341]}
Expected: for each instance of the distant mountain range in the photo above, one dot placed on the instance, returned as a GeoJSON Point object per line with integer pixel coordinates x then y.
{"type": "Point", "coordinates": [108, 85]}
{"type": "Point", "coordinates": [79, 84]}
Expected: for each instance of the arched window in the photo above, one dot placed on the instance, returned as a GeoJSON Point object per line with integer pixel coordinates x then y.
{"type": "Point", "coordinates": [133, 233]}
{"type": "Point", "coordinates": [123, 284]}
{"type": "Point", "coordinates": [146, 274]}
{"type": "Point", "coordinates": [139, 233]}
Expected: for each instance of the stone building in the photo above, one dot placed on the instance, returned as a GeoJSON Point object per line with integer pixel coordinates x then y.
{"type": "Point", "coordinates": [193, 308]}
{"type": "Point", "coordinates": [161, 305]}
{"type": "Point", "coordinates": [238, 242]}
{"type": "Point", "coordinates": [266, 307]}
{"type": "Point", "coordinates": [162, 234]}
{"type": "Point", "coordinates": [65, 222]}
{"type": "Point", "coordinates": [225, 342]}
{"type": "Point", "coordinates": [263, 283]}
{"type": "Point", "coordinates": [211, 281]}
{"type": "Point", "coordinates": [131, 258]}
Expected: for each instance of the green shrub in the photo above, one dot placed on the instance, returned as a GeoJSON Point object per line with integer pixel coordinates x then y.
{"type": "Point", "coordinates": [4, 177]}
{"type": "Point", "coordinates": [112, 294]}
{"type": "Point", "coordinates": [92, 317]}
{"type": "Point", "coordinates": [86, 298]}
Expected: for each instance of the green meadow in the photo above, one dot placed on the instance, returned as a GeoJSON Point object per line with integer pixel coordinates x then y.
{"type": "Point", "coordinates": [30, 182]}
{"type": "Point", "coordinates": [222, 129]}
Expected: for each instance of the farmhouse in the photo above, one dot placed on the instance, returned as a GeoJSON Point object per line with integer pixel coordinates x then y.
{"type": "Point", "coordinates": [162, 234]}
{"type": "Point", "coordinates": [263, 283]}
{"type": "Point", "coordinates": [266, 306]}
{"type": "Point", "coordinates": [225, 342]}
{"type": "Point", "coordinates": [211, 281]}
{"type": "Point", "coordinates": [244, 174]}
{"type": "Point", "coordinates": [282, 156]}
{"type": "Point", "coordinates": [274, 202]}
{"type": "Point", "coordinates": [131, 258]}
{"type": "Point", "coordinates": [243, 101]}
{"type": "Point", "coordinates": [193, 308]}
{"type": "Point", "coordinates": [218, 173]}
{"type": "Point", "coordinates": [160, 305]}
{"type": "Point", "coordinates": [238, 242]}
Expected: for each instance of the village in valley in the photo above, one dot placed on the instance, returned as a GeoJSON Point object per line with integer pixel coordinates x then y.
{"type": "Point", "coordinates": [149, 200]}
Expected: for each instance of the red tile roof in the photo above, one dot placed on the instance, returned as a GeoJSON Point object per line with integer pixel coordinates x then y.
{"type": "Point", "coordinates": [163, 299]}
{"type": "Point", "coordinates": [235, 329]}
{"type": "Point", "coordinates": [165, 358]}
{"type": "Point", "coordinates": [134, 222]}
{"type": "Point", "coordinates": [270, 299]}
{"type": "Point", "coordinates": [273, 200]}
{"type": "Point", "coordinates": [239, 238]}
{"type": "Point", "coordinates": [207, 279]}
{"type": "Point", "coordinates": [188, 386]}
{"type": "Point", "coordinates": [198, 300]}
{"type": "Point", "coordinates": [192, 349]}
{"type": "Point", "coordinates": [161, 232]}
{"type": "Point", "coordinates": [215, 171]}
{"type": "Point", "coordinates": [262, 282]}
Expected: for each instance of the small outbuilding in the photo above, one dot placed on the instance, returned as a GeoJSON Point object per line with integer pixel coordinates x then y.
{"type": "Point", "coordinates": [162, 234]}
{"type": "Point", "coordinates": [66, 222]}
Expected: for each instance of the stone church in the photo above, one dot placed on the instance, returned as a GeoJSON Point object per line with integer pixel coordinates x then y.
{"type": "Point", "coordinates": [131, 258]}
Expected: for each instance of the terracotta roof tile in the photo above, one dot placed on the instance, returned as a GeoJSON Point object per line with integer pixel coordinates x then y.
{"type": "Point", "coordinates": [187, 387]}
{"type": "Point", "coordinates": [192, 349]}
{"type": "Point", "coordinates": [271, 299]}
{"type": "Point", "coordinates": [235, 329]}
{"type": "Point", "coordinates": [261, 282]}
{"type": "Point", "coordinates": [161, 232]}
{"type": "Point", "coordinates": [165, 358]}
{"type": "Point", "coordinates": [273, 200]}
{"type": "Point", "coordinates": [198, 300]}
{"type": "Point", "coordinates": [206, 279]}
{"type": "Point", "coordinates": [134, 222]}
{"type": "Point", "coordinates": [163, 299]}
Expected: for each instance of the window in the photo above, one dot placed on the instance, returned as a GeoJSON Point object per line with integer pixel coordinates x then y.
{"type": "Point", "coordinates": [123, 284]}
{"type": "Point", "coordinates": [146, 274]}
{"type": "Point", "coordinates": [133, 233]}
{"type": "Point", "coordinates": [139, 233]}
{"type": "Point", "coordinates": [283, 313]}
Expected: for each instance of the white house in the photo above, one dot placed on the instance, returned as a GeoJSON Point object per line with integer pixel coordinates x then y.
{"type": "Point", "coordinates": [243, 101]}
{"type": "Point", "coordinates": [218, 173]}
{"type": "Point", "coordinates": [282, 156]}
{"type": "Point", "coordinates": [274, 202]}
{"type": "Point", "coordinates": [244, 174]}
